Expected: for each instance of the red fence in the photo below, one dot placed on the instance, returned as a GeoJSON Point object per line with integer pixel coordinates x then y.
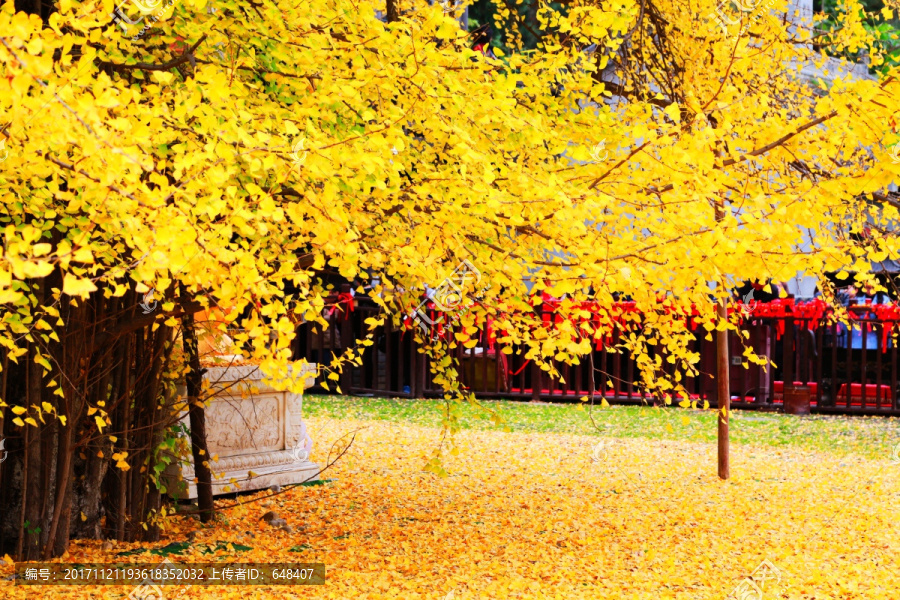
{"type": "Point", "coordinates": [849, 370]}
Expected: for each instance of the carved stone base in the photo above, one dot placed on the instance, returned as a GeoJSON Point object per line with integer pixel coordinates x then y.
{"type": "Point", "coordinates": [254, 430]}
{"type": "Point", "coordinates": [251, 472]}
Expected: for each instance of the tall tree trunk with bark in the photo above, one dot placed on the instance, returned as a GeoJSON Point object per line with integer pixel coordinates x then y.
{"type": "Point", "coordinates": [393, 11]}
{"type": "Point", "coordinates": [197, 416]}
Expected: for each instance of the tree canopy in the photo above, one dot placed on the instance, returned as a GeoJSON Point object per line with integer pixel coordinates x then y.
{"type": "Point", "coordinates": [229, 152]}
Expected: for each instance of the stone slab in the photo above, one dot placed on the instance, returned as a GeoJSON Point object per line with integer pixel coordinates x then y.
{"type": "Point", "coordinates": [256, 432]}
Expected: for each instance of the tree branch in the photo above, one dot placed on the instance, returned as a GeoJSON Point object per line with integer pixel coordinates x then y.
{"type": "Point", "coordinates": [186, 307]}
{"type": "Point", "coordinates": [186, 56]}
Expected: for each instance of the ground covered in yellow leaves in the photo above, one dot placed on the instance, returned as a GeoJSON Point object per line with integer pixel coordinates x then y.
{"type": "Point", "coordinates": [554, 515]}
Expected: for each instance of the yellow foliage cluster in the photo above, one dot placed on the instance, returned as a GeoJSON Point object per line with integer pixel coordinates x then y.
{"type": "Point", "coordinates": [235, 148]}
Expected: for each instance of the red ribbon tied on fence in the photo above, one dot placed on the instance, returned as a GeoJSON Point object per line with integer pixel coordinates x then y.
{"type": "Point", "coordinates": [778, 309]}
{"type": "Point", "coordinates": [889, 315]}
{"type": "Point", "coordinates": [811, 311]}
{"type": "Point", "coordinates": [346, 299]}
{"type": "Point", "coordinates": [625, 316]}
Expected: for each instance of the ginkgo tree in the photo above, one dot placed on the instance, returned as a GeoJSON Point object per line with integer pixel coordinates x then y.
{"type": "Point", "coordinates": [227, 153]}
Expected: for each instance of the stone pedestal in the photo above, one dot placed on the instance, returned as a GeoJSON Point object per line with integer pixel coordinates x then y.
{"type": "Point", "coordinates": [256, 431]}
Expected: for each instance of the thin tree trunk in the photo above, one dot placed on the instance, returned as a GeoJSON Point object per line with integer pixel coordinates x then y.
{"type": "Point", "coordinates": [58, 538]}
{"type": "Point", "coordinates": [140, 442]}
{"type": "Point", "coordinates": [4, 494]}
{"type": "Point", "coordinates": [122, 399]}
{"type": "Point", "coordinates": [62, 442]}
{"type": "Point", "coordinates": [160, 421]}
{"type": "Point", "coordinates": [123, 478]}
{"type": "Point", "coordinates": [724, 393]}
{"type": "Point", "coordinates": [124, 528]}
{"type": "Point", "coordinates": [63, 466]}
{"type": "Point", "coordinates": [197, 416]}
{"type": "Point", "coordinates": [91, 392]}
{"type": "Point", "coordinates": [49, 464]}
{"type": "Point", "coordinates": [20, 539]}
{"type": "Point", "coordinates": [393, 11]}
{"type": "Point", "coordinates": [722, 373]}
{"type": "Point", "coordinates": [33, 496]}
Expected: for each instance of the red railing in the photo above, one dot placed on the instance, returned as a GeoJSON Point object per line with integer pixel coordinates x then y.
{"type": "Point", "coordinates": [849, 370]}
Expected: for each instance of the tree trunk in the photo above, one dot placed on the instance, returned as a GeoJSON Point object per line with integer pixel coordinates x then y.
{"type": "Point", "coordinates": [197, 416]}
{"type": "Point", "coordinates": [87, 490]}
{"type": "Point", "coordinates": [33, 496]}
{"type": "Point", "coordinates": [722, 372]}
{"type": "Point", "coordinates": [393, 11]}
{"type": "Point", "coordinates": [53, 483]}
{"type": "Point", "coordinates": [724, 392]}
{"type": "Point", "coordinates": [58, 538]}
{"type": "Point", "coordinates": [160, 421]}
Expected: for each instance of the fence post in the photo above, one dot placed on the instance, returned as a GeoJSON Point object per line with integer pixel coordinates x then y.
{"type": "Point", "coordinates": [723, 392]}
{"type": "Point", "coordinates": [421, 373]}
{"type": "Point", "coordinates": [346, 342]}
{"type": "Point", "coordinates": [787, 356]}
{"type": "Point", "coordinates": [344, 314]}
